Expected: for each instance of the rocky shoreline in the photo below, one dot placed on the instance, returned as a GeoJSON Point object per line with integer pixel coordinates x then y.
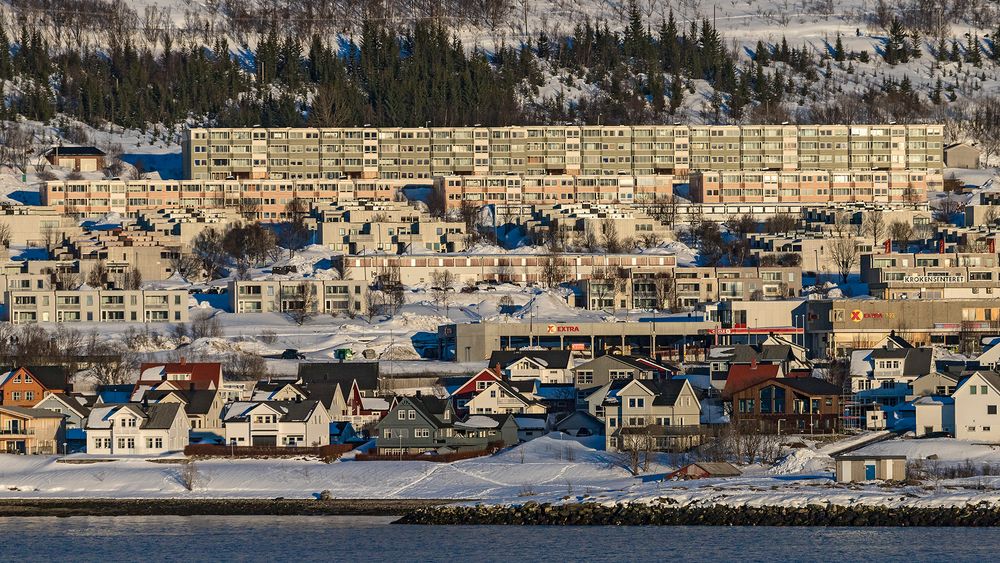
{"type": "Point", "coordinates": [212, 507]}
{"type": "Point", "coordinates": [592, 514]}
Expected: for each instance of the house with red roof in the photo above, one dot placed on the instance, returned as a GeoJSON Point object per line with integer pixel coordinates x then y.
{"type": "Point", "coordinates": [742, 376]}
{"type": "Point", "coordinates": [177, 376]}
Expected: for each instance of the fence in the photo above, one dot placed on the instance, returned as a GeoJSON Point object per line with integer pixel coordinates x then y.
{"type": "Point", "coordinates": [328, 453]}
{"type": "Point", "coordinates": [491, 449]}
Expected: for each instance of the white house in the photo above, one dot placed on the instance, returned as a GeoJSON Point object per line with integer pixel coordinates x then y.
{"type": "Point", "coordinates": [500, 397]}
{"type": "Point", "coordinates": [976, 402]}
{"type": "Point", "coordinates": [132, 429]}
{"type": "Point", "coordinates": [654, 404]}
{"type": "Point", "coordinates": [547, 366]}
{"type": "Point", "coordinates": [277, 424]}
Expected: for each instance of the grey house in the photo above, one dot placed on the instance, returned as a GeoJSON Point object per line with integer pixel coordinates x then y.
{"type": "Point", "coordinates": [428, 424]}
{"type": "Point", "coordinates": [610, 367]}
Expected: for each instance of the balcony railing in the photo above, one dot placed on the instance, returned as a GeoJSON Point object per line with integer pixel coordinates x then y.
{"type": "Point", "coordinates": [17, 431]}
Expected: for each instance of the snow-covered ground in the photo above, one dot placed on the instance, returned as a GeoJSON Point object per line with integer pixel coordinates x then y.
{"type": "Point", "coordinates": [553, 468]}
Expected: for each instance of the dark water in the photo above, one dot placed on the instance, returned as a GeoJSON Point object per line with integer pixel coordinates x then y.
{"type": "Point", "coordinates": [352, 538]}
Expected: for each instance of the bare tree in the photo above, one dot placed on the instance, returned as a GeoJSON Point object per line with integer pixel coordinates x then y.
{"type": "Point", "coordinates": [295, 233]}
{"type": "Point", "coordinates": [187, 265]}
{"type": "Point", "coordinates": [555, 270]}
{"type": "Point", "coordinates": [874, 225]}
{"type": "Point", "coordinates": [844, 252]}
{"type": "Point", "coordinates": [98, 275]}
{"type": "Point", "coordinates": [781, 223]}
{"type": "Point", "coordinates": [609, 236]}
{"type": "Point", "coordinates": [5, 235]}
{"type": "Point", "coordinates": [208, 249]}
{"type": "Point", "coordinates": [244, 366]}
{"type": "Point", "coordinates": [637, 447]}
{"type": "Point", "coordinates": [130, 279]}
{"type": "Point", "coordinates": [249, 208]}
{"type": "Point", "coordinates": [302, 305]}
{"type": "Point", "coordinates": [442, 282]}
{"type": "Point", "coordinates": [901, 233]}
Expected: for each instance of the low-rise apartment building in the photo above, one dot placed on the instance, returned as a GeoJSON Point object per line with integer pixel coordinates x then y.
{"type": "Point", "coordinates": [931, 276]}
{"type": "Point", "coordinates": [584, 223]}
{"type": "Point", "coordinates": [96, 305]}
{"type": "Point", "coordinates": [510, 268]}
{"type": "Point", "coordinates": [865, 185]}
{"type": "Point", "coordinates": [813, 250]}
{"type": "Point", "coordinates": [184, 224]}
{"type": "Point", "coordinates": [686, 287]}
{"type": "Point", "coordinates": [264, 200]}
{"type": "Point", "coordinates": [380, 227]}
{"type": "Point", "coordinates": [32, 225]}
{"type": "Point", "coordinates": [456, 191]}
{"type": "Point", "coordinates": [309, 296]}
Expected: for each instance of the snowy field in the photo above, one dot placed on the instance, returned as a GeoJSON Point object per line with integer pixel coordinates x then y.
{"type": "Point", "coordinates": [548, 469]}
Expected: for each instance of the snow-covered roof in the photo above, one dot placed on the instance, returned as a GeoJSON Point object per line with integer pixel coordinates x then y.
{"type": "Point", "coordinates": [478, 421]}
{"type": "Point", "coordinates": [374, 404]}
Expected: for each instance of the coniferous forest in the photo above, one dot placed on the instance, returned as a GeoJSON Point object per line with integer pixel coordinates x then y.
{"type": "Point", "coordinates": [391, 74]}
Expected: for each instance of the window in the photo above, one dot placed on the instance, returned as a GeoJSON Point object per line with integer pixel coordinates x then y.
{"type": "Point", "coordinates": [986, 428]}
{"type": "Point", "coordinates": [991, 409]}
{"type": "Point", "coordinates": [29, 395]}
{"type": "Point", "coordinates": [401, 415]}
{"type": "Point", "coordinates": [421, 433]}
{"type": "Point", "coordinates": [154, 443]}
{"type": "Point", "coordinates": [412, 415]}
{"type": "Point", "coordinates": [972, 389]}
{"type": "Point", "coordinates": [16, 395]}
{"type": "Point", "coordinates": [982, 389]}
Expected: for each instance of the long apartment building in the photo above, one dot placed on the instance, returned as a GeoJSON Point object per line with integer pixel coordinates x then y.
{"type": "Point", "coordinates": [293, 296]}
{"type": "Point", "coordinates": [92, 305]}
{"type": "Point", "coordinates": [932, 276]}
{"type": "Point", "coordinates": [815, 186]}
{"type": "Point", "coordinates": [265, 200]}
{"type": "Point", "coordinates": [551, 190]}
{"type": "Point", "coordinates": [687, 287]}
{"type": "Point", "coordinates": [510, 268]}
{"type": "Point", "coordinates": [399, 153]}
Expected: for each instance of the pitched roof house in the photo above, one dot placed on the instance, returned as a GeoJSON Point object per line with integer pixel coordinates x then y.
{"type": "Point", "coordinates": [666, 409]}
{"type": "Point", "coordinates": [136, 429]}
{"type": "Point", "coordinates": [180, 375]}
{"type": "Point", "coordinates": [742, 376]}
{"type": "Point", "coordinates": [420, 424]}
{"type": "Point", "coordinates": [501, 397]}
{"type": "Point", "coordinates": [68, 405]}
{"type": "Point", "coordinates": [26, 385]}
{"type": "Point", "coordinates": [26, 430]}
{"type": "Point", "coordinates": [603, 369]}
{"type": "Point", "coordinates": [277, 423]}
{"type": "Point", "coordinates": [704, 470]}
{"type": "Point", "coordinates": [547, 366]}
{"type": "Point", "coordinates": [792, 403]}
{"type": "Point", "coordinates": [202, 406]}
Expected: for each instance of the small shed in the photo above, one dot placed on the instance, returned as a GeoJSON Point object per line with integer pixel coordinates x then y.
{"type": "Point", "coordinates": [858, 468]}
{"type": "Point", "coordinates": [961, 155]}
{"type": "Point", "coordinates": [704, 470]}
{"type": "Point", "coordinates": [79, 159]}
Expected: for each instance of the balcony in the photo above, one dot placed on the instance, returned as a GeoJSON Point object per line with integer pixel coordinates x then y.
{"type": "Point", "coordinates": [17, 431]}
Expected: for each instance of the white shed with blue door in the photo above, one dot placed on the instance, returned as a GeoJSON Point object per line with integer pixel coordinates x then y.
{"type": "Point", "coordinates": [859, 468]}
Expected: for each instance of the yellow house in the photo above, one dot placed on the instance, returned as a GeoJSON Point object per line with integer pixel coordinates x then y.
{"type": "Point", "coordinates": [31, 431]}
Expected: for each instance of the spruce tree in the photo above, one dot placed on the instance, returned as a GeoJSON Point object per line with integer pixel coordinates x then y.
{"type": "Point", "coordinates": [838, 50]}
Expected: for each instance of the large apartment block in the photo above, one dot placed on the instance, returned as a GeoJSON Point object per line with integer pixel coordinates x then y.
{"type": "Point", "coordinates": [815, 186]}
{"type": "Point", "coordinates": [298, 296]}
{"type": "Point", "coordinates": [92, 305]}
{"type": "Point", "coordinates": [398, 153]}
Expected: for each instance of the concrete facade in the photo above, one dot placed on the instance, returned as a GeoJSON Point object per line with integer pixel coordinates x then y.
{"type": "Point", "coordinates": [332, 297]}
{"type": "Point", "coordinates": [91, 305]}
{"type": "Point", "coordinates": [814, 186]}
{"type": "Point", "coordinates": [611, 150]}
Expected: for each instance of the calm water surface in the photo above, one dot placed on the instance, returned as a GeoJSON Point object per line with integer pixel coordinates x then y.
{"type": "Point", "coordinates": [354, 538]}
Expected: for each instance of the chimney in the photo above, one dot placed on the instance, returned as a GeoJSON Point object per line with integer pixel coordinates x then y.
{"type": "Point", "coordinates": [145, 402]}
{"type": "Point", "coordinates": [992, 242]}
{"type": "Point", "coordinates": [418, 393]}
{"type": "Point", "coordinates": [887, 246]}
{"type": "Point", "coordinates": [183, 360]}
{"type": "Point", "coordinates": [941, 245]}
{"type": "Point", "coordinates": [753, 363]}
{"type": "Point", "coordinates": [191, 386]}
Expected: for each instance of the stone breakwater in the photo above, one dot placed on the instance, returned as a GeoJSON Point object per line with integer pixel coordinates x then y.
{"type": "Point", "coordinates": [592, 514]}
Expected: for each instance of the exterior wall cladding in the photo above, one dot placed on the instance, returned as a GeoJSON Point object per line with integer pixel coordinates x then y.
{"type": "Point", "coordinates": [412, 153]}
